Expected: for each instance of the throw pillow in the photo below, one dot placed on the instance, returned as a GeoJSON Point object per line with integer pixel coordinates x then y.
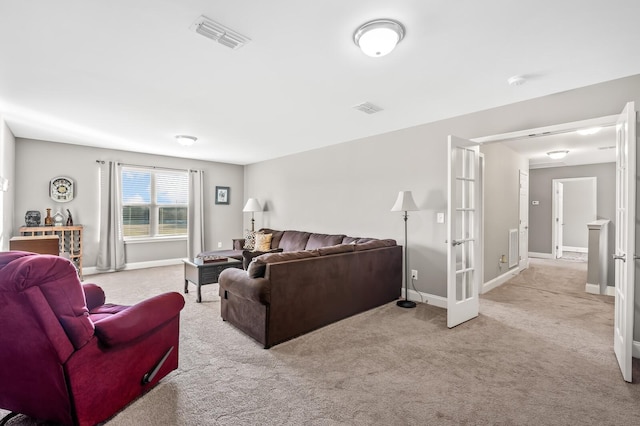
{"type": "Point", "coordinates": [263, 242]}
{"type": "Point", "coordinates": [249, 239]}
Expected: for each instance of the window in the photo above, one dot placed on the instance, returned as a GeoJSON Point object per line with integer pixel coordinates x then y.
{"type": "Point", "coordinates": [154, 202]}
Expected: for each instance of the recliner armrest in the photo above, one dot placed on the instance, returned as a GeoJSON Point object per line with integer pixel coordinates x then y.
{"type": "Point", "coordinates": [93, 295]}
{"type": "Point", "coordinates": [139, 319]}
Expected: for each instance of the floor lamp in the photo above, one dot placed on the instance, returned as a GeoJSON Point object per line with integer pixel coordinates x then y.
{"type": "Point", "coordinates": [252, 206]}
{"type": "Point", "coordinates": [406, 204]}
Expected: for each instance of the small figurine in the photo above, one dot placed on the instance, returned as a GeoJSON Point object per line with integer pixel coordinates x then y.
{"type": "Point", "coordinates": [69, 219]}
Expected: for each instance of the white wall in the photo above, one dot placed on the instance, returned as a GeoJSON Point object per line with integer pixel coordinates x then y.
{"type": "Point", "coordinates": [38, 161]}
{"type": "Point", "coordinates": [350, 187]}
{"type": "Point", "coordinates": [7, 171]}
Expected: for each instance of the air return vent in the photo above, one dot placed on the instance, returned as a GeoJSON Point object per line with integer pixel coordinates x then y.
{"type": "Point", "coordinates": [218, 32]}
{"type": "Point", "coordinates": [368, 107]}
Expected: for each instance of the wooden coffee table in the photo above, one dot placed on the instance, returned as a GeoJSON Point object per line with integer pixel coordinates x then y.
{"type": "Point", "coordinates": [206, 273]}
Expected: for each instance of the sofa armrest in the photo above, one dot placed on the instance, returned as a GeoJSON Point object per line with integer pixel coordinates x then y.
{"type": "Point", "coordinates": [238, 243]}
{"type": "Point", "coordinates": [239, 283]}
{"type": "Point", "coordinates": [94, 295]}
{"type": "Point", "coordinates": [139, 319]}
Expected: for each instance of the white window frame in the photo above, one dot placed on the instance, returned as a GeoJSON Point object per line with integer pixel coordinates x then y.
{"type": "Point", "coordinates": [154, 207]}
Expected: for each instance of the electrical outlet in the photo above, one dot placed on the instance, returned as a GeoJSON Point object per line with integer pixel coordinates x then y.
{"type": "Point", "coordinates": [414, 274]}
{"type": "Point", "coordinates": [440, 217]}
{"type": "Point", "coordinates": [219, 244]}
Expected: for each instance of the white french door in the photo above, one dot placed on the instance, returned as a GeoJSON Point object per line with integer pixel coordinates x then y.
{"type": "Point", "coordinates": [625, 238]}
{"type": "Point", "coordinates": [464, 221]}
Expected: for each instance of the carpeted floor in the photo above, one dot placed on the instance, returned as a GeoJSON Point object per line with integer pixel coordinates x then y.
{"type": "Point", "coordinates": [540, 353]}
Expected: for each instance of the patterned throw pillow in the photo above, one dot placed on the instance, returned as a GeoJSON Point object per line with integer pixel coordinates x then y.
{"type": "Point", "coordinates": [249, 239]}
{"type": "Point", "coordinates": [263, 242]}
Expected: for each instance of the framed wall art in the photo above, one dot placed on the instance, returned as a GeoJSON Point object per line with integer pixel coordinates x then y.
{"type": "Point", "coordinates": [222, 194]}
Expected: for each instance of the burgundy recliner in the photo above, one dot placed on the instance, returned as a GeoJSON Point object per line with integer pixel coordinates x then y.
{"type": "Point", "coordinates": [65, 355]}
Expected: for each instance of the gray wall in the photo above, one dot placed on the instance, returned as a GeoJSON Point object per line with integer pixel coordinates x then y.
{"type": "Point", "coordinates": [7, 171]}
{"type": "Point", "coordinates": [540, 189]}
{"type": "Point", "coordinates": [38, 161]}
{"type": "Point", "coordinates": [350, 187]}
{"type": "Point", "coordinates": [579, 209]}
{"type": "Point", "coordinates": [501, 204]}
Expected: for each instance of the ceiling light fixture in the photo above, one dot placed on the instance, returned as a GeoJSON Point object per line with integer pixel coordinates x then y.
{"type": "Point", "coordinates": [379, 37]}
{"type": "Point", "coordinates": [589, 131]}
{"type": "Point", "coordinates": [185, 140]}
{"type": "Point", "coordinates": [557, 155]}
{"type": "Point", "coordinates": [516, 80]}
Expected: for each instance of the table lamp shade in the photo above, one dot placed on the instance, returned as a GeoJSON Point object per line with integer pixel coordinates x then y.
{"type": "Point", "coordinates": [252, 206]}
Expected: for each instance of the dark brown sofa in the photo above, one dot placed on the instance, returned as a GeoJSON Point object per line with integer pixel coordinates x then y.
{"type": "Point", "coordinates": [316, 280]}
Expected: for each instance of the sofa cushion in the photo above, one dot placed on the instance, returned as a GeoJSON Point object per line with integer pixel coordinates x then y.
{"type": "Point", "coordinates": [263, 242]}
{"type": "Point", "coordinates": [258, 265]}
{"type": "Point", "coordinates": [294, 240]}
{"type": "Point", "coordinates": [323, 240]}
{"type": "Point", "coordinates": [374, 244]}
{"type": "Point", "coordinates": [249, 239]}
{"type": "Point", "coordinates": [338, 248]}
{"type": "Point", "coordinates": [355, 240]}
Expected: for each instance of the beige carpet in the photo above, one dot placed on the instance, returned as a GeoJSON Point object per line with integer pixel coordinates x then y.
{"type": "Point", "coordinates": [540, 353]}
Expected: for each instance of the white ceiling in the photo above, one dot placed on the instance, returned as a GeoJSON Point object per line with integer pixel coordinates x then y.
{"type": "Point", "coordinates": [131, 75]}
{"type": "Point", "coordinates": [591, 149]}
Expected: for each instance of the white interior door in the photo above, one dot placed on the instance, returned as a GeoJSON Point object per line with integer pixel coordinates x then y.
{"type": "Point", "coordinates": [625, 237]}
{"type": "Point", "coordinates": [463, 235]}
{"type": "Point", "coordinates": [523, 241]}
{"type": "Point", "coordinates": [558, 217]}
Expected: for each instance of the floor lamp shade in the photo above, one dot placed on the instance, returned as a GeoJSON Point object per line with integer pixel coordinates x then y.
{"type": "Point", "coordinates": [404, 203]}
{"type": "Point", "coordinates": [252, 206]}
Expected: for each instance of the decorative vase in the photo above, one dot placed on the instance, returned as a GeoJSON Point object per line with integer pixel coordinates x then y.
{"type": "Point", "coordinates": [32, 218]}
{"type": "Point", "coordinates": [48, 221]}
{"type": "Point", "coordinates": [69, 218]}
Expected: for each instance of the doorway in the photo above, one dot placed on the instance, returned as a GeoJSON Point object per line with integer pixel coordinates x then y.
{"type": "Point", "coordinates": [574, 205]}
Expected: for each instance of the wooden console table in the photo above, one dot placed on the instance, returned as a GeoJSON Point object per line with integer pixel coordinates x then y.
{"type": "Point", "coordinates": [70, 240]}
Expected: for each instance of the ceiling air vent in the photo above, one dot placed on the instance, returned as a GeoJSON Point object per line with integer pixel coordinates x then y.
{"type": "Point", "coordinates": [218, 32]}
{"type": "Point", "coordinates": [368, 107]}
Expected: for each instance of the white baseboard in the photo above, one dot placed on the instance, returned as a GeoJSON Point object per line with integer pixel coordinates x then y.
{"type": "Point", "coordinates": [576, 249]}
{"type": "Point", "coordinates": [499, 280]}
{"type": "Point", "coordinates": [431, 299]}
{"type": "Point", "coordinates": [611, 290]}
{"type": "Point", "coordinates": [138, 265]}
{"type": "Point", "coordinates": [592, 288]}
{"type": "Point", "coordinates": [635, 349]}
{"type": "Point", "coordinates": [541, 255]}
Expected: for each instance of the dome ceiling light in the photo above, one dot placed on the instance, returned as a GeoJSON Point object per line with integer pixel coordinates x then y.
{"type": "Point", "coordinates": [379, 37]}
{"type": "Point", "coordinates": [557, 155]}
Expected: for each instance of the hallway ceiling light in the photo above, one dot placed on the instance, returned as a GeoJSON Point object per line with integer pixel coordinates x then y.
{"type": "Point", "coordinates": [557, 155]}
{"type": "Point", "coordinates": [379, 37]}
{"type": "Point", "coordinates": [589, 131]}
{"type": "Point", "coordinates": [185, 140]}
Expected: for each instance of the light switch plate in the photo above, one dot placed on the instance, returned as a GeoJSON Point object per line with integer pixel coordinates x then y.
{"type": "Point", "coordinates": [440, 217]}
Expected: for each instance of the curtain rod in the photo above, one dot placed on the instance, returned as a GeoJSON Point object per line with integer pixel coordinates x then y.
{"type": "Point", "coordinates": [150, 167]}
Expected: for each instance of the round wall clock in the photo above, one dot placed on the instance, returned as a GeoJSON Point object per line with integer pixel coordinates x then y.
{"type": "Point", "coordinates": [61, 189]}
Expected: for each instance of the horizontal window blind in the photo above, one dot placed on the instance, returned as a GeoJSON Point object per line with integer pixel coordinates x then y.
{"type": "Point", "coordinates": [154, 202]}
